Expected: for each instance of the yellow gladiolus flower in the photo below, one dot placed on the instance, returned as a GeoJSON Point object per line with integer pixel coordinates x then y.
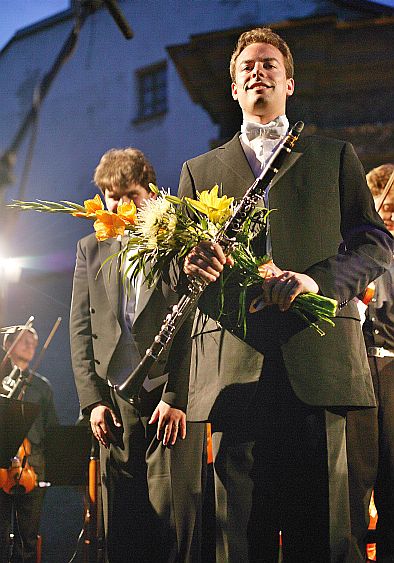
{"type": "Point", "coordinates": [108, 225]}
{"type": "Point", "coordinates": [128, 212]}
{"type": "Point", "coordinates": [217, 209]}
{"type": "Point", "coordinates": [91, 207]}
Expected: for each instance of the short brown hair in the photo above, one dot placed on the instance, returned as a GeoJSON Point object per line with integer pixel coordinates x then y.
{"type": "Point", "coordinates": [119, 168]}
{"type": "Point", "coordinates": [262, 35]}
{"type": "Point", "coordinates": [378, 177]}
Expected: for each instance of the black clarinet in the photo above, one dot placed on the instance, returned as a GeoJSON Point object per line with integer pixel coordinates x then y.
{"type": "Point", "coordinates": [226, 237]}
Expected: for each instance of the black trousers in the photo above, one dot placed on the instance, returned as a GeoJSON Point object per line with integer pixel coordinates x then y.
{"type": "Point", "coordinates": [152, 495]}
{"type": "Point", "coordinates": [27, 512]}
{"type": "Point", "coordinates": [285, 466]}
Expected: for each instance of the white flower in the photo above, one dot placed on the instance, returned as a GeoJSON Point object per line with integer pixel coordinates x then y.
{"type": "Point", "coordinates": [156, 218]}
{"type": "Point", "coordinates": [212, 230]}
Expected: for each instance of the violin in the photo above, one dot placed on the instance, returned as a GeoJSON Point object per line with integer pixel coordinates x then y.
{"type": "Point", "coordinates": [20, 477]}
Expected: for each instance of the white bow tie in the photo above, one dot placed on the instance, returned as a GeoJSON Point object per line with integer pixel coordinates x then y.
{"type": "Point", "coordinates": [273, 130]}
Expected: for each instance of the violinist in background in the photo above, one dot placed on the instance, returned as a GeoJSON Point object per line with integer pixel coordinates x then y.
{"type": "Point", "coordinates": [26, 506]}
{"type": "Point", "coordinates": [378, 331]}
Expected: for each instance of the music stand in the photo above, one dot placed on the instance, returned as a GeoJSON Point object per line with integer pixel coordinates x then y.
{"type": "Point", "coordinates": [16, 418]}
{"type": "Point", "coordinates": [67, 452]}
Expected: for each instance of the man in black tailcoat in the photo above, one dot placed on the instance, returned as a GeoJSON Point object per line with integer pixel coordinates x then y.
{"type": "Point", "coordinates": [111, 328]}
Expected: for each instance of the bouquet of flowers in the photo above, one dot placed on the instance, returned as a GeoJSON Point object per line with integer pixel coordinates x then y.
{"type": "Point", "coordinates": [166, 228]}
{"type": "Point", "coordinates": [106, 223]}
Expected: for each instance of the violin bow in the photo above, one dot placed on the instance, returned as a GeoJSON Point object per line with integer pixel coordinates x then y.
{"type": "Point", "coordinates": [385, 193]}
{"type": "Point", "coordinates": [46, 343]}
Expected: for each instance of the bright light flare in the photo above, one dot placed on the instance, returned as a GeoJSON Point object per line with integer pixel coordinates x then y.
{"type": "Point", "coordinates": [10, 269]}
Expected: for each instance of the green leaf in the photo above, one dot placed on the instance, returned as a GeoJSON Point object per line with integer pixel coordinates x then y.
{"type": "Point", "coordinates": [75, 205]}
{"type": "Point", "coordinates": [174, 199]}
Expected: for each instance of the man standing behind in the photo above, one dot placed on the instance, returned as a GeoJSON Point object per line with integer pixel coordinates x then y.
{"type": "Point", "coordinates": [279, 414]}
{"type": "Point", "coordinates": [379, 337]}
{"type": "Point", "coordinates": [111, 328]}
{"type": "Point", "coordinates": [27, 506]}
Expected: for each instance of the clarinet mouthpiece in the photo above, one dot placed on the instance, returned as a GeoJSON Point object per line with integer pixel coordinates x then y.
{"type": "Point", "coordinates": [298, 127]}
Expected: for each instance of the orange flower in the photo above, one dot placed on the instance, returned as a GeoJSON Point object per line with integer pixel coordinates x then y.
{"type": "Point", "coordinates": [128, 212]}
{"type": "Point", "coordinates": [92, 206]}
{"type": "Point", "coordinates": [108, 225]}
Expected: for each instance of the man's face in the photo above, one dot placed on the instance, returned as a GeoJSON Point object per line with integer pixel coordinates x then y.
{"type": "Point", "coordinates": [135, 193]}
{"type": "Point", "coordinates": [261, 86]}
{"type": "Point", "coordinates": [24, 349]}
{"type": "Point", "coordinates": [387, 210]}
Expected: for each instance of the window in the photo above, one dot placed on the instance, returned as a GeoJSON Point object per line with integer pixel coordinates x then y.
{"type": "Point", "coordinates": [152, 91]}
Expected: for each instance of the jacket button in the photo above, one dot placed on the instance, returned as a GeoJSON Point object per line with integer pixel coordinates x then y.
{"type": "Point", "coordinates": [97, 361]}
{"type": "Point", "coordinates": [91, 310]}
{"type": "Point", "coordinates": [94, 336]}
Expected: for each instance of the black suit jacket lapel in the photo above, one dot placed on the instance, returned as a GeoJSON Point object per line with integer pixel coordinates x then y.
{"type": "Point", "coordinates": [291, 159]}
{"type": "Point", "coordinates": [143, 299]}
{"type": "Point", "coordinates": [232, 157]}
{"type": "Point", "coordinates": [236, 168]}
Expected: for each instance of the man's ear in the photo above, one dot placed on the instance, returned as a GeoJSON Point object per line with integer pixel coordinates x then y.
{"type": "Point", "coordinates": [290, 87]}
{"type": "Point", "coordinates": [234, 91]}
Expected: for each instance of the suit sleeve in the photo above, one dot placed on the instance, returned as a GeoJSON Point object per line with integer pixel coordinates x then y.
{"type": "Point", "coordinates": [90, 387]}
{"type": "Point", "coordinates": [367, 245]}
{"type": "Point", "coordinates": [178, 367]}
{"type": "Point", "coordinates": [186, 184]}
